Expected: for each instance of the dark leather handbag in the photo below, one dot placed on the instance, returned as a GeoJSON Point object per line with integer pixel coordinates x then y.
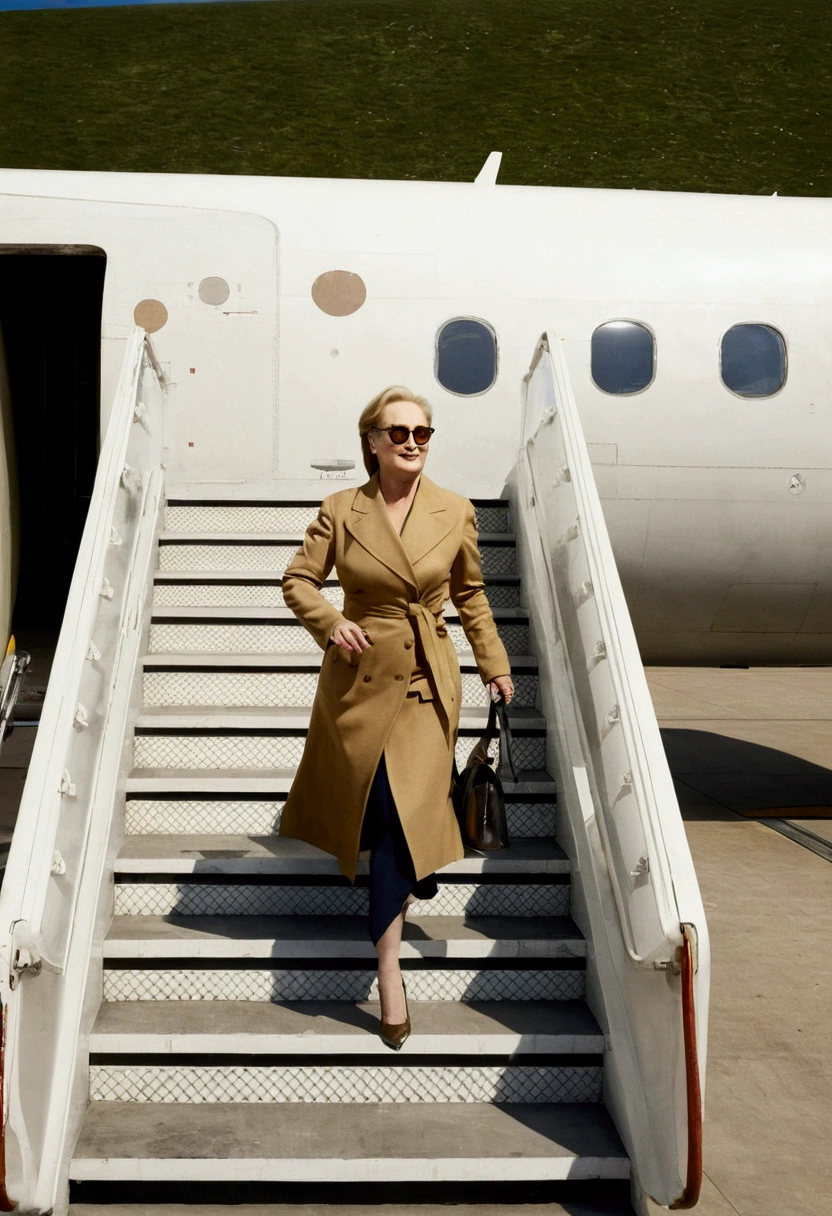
{"type": "Point", "coordinates": [478, 796]}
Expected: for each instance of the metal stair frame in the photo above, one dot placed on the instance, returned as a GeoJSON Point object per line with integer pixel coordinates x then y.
{"type": "Point", "coordinates": [633, 984]}
{"type": "Point", "coordinates": [56, 900]}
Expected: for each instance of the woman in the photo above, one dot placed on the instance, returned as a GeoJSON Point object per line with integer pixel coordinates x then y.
{"type": "Point", "coordinates": [376, 769]}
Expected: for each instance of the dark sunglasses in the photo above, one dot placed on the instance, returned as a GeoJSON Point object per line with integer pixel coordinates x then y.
{"type": "Point", "coordinates": [400, 434]}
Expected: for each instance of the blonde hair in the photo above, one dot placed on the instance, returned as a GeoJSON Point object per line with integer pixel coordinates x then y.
{"type": "Point", "coordinates": [371, 417]}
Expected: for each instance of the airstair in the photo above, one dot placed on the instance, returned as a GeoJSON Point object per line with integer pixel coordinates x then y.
{"type": "Point", "coordinates": [190, 1013]}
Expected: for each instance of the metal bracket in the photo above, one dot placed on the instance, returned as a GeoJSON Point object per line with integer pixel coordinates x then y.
{"type": "Point", "coordinates": [115, 538]}
{"type": "Point", "coordinates": [66, 785]}
{"type": "Point", "coordinates": [642, 866]}
{"type": "Point", "coordinates": [106, 591]}
{"type": "Point", "coordinates": [140, 412]}
{"type": "Point", "coordinates": [674, 965]}
{"type": "Point", "coordinates": [29, 955]}
{"type": "Point", "coordinates": [128, 474]}
{"type": "Point", "coordinates": [93, 653]}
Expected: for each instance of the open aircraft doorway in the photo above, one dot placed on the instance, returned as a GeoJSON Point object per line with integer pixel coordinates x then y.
{"type": "Point", "coordinates": [50, 325]}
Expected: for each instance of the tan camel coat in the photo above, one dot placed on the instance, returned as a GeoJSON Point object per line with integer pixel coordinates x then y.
{"type": "Point", "coordinates": [394, 588]}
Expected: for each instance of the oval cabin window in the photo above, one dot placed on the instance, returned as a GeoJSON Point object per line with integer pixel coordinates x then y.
{"type": "Point", "coordinates": [753, 360]}
{"type": "Point", "coordinates": [466, 356]}
{"type": "Point", "coordinates": [623, 357]}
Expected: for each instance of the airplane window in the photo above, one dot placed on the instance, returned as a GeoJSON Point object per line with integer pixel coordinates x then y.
{"type": "Point", "coordinates": [753, 360]}
{"type": "Point", "coordinates": [466, 356]}
{"type": "Point", "coordinates": [623, 357]}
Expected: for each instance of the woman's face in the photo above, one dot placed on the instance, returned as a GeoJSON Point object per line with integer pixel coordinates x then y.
{"type": "Point", "coordinates": [399, 459]}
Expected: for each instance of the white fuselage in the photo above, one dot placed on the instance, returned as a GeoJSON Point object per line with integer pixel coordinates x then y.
{"type": "Point", "coordinates": [721, 560]}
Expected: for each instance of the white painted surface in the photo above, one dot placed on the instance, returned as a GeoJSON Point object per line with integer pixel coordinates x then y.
{"type": "Point", "coordinates": [241, 855]}
{"type": "Point", "coordinates": [618, 816]}
{"type": "Point", "coordinates": [322, 1169]}
{"type": "Point", "coordinates": [435, 939]}
{"type": "Point", "coordinates": [309, 1043]}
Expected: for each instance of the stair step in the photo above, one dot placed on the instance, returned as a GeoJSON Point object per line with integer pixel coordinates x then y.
{"type": "Point", "coordinates": [260, 516]}
{"type": "Point", "coordinates": [256, 816]}
{"type": "Point", "coordinates": [445, 1028]}
{"type": "Point", "coordinates": [385, 1141]}
{"type": "Point", "coordinates": [274, 630]}
{"type": "Point", "coordinates": [336, 937]}
{"type": "Point", "coordinates": [291, 536]}
{"type": "Point", "coordinates": [214, 748]}
{"type": "Point", "coordinates": [273, 737]}
{"type": "Point", "coordinates": [239, 981]}
{"type": "Point", "coordinates": [252, 781]}
{"type": "Point", "coordinates": [472, 719]}
{"type": "Point", "coordinates": [234, 683]}
{"type": "Point", "coordinates": [247, 612]}
{"type": "Point", "coordinates": [236, 854]}
{"type": "Point", "coordinates": [265, 1081]}
{"type": "Point", "coordinates": [272, 552]}
{"type": "Point", "coordinates": [232, 587]}
{"type": "Point", "coordinates": [281, 897]}
{"type": "Point", "coordinates": [234, 983]}
{"type": "Point", "coordinates": [194, 660]}
{"type": "Point", "coordinates": [283, 877]}
{"type": "Point", "coordinates": [609, 1204]}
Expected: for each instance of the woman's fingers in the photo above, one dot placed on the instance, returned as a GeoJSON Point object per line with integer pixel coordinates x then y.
{"type": "Point", "coordinates": [351, 637]}
{"type": "Point", "coordinates": [502, 685]}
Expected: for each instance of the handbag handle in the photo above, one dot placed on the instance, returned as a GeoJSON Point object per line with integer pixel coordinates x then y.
{"type": "Point", "coordinates": [498, 709]}
{"type": "Point", "coordinates": [506, 758]}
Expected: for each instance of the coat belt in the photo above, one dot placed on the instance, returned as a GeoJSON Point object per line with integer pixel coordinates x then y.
{"type": "Point", "coordinates": [425, 623]}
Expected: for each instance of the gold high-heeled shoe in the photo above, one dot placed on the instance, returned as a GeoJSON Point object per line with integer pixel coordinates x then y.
{"type": "Point", "coordinates": [394, 1034]}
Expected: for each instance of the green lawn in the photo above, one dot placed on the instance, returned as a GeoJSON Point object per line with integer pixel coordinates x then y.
{"type": "Point", "coordinates": [717, 95]}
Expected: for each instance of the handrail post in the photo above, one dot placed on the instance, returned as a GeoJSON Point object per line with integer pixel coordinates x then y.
{"type": "Point", "coordinates": [693, 1183]}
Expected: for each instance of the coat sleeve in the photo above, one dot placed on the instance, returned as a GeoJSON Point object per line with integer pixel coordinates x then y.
{"type": "Point", "coordinates": [305, 575]}
{"type": "Point", "coordinates": [469, 598]}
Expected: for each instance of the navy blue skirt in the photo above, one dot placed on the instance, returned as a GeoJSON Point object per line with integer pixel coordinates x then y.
{"type": "Point", "coordinates": [392, 877]}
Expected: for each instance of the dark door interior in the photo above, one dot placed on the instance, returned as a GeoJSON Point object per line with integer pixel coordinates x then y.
{"type": "Point", "coordinates": [50, 317]}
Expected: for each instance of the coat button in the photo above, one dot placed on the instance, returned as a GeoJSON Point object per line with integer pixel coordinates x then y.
{"type": "Point", "coordinates": [408, 645]}
{"type": "Point", "coordinates": [367, 679]}
{"type": "Point", "coordinates": [399, 677]}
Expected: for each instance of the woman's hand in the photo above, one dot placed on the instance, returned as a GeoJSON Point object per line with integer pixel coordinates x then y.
{"type": "Point", "coordinates": [501, 684]}
{"type": "Point", "coordinates": [350, 637]}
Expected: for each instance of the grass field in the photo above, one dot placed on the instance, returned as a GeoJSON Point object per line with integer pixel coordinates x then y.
{"type": "Point", "coordinates": [714, 95]}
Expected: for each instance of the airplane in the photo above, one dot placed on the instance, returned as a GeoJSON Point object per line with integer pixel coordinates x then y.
{"type": "Point", "coordinates": [715, 485]}
{"type": "Point", "coordinates": [640, 378]}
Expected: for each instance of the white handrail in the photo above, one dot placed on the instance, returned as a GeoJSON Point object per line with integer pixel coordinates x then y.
{"type": "Point", "coordinates": [50, 897]}
{"type": "Point", "coordinates": [642, 784]}
{"type": "Point", "coordinates": [31, 851]}
{"type": "Point", "coordinates": [634, 888]}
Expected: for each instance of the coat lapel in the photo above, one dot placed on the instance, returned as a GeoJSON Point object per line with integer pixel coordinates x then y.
{"type": "Point", "coordinates": [430, 521]}
{"type": "Point", "coordinates": [370, 524]}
